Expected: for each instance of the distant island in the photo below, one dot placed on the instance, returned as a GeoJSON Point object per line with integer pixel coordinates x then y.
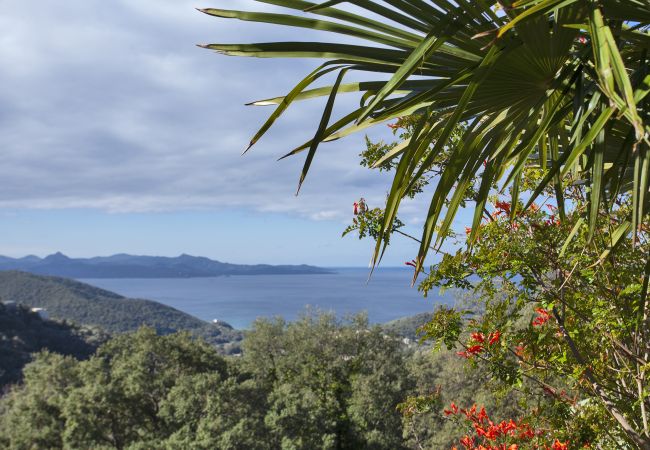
{"type": "Point", "coordinates": [133, 266]}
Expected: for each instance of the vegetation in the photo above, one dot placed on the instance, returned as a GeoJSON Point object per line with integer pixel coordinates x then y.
{"type": "Point", "coordinates": [314, 383]}
{"type": "Point", "coordinates": [407, 327]}
{"type": "Point", "coordinates": [538, 101]}
{"type": "Point", "coordinates": [23, 332]}
{"type": "Point", "coordinates": [87, 305]}
{"type": "Point", "coordinates": [569, 320]}
{"type": "Point", "coordinates": [500, 105]}
{"type": "Point", "coordinates": [494, 84]}
{"type": "Point", "coordinates": [113, 399]}
{"type": "Point", "coordinates": [558, 311]}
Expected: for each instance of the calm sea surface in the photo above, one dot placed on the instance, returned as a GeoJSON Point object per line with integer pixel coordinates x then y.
{"type": "Point", "coordinates": [239, 300]}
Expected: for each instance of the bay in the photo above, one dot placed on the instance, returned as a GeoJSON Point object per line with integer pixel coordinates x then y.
{"type": "Point", "coordinates": [239, 300]}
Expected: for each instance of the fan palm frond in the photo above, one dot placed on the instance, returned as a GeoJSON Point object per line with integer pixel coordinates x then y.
{"type": "Point", "coordinates": [561, 82]}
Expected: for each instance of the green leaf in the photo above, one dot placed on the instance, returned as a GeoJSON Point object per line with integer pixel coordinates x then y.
{"type": "Point", "coordinates": [572, 234]}
{"type": "Point", "coordinates": [320, 132]}
{"type": "Point", "coordinates": [313, 24]}
{"type": "Point", "coordinates": [421, 53]}
{"type": "Point", "coordinates": [596, 180]}
{"type": "Point", "coordinates": [290, 97]}
{"type": "Point", "coordinates": [539, 9]}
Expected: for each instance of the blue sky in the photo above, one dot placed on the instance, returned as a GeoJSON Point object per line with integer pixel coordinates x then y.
{"type": "Point", "coordinates": [118, 135]}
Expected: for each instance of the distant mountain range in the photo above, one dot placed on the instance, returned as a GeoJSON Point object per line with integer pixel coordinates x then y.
{"type": "Point", "coordinates": [132, 266]}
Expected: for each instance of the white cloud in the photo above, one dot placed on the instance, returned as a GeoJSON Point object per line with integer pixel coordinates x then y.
{"type": "Point", "coordinates": [110, 105]}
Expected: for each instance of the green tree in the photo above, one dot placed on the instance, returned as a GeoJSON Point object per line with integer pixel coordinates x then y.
{"type": "Point", "coordinates": [316, 383]}
{"type": "Point", "coordinates": [567, 317]}
{"type": "Point", "coordinates": [208, 412]}
{"type": "Point", "coordinates": [115, 399]}
{"type": "Point", "coordinates": [31, 417]}
{"type": "Point", "coordinates": [584, 373]}
{"type": "Point", "coordinates": [126, 383]}
{"type": "Point", "coordinates": [331, 384]}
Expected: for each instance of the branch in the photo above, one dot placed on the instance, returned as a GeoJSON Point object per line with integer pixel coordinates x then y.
{"type": "Point", "coordinates": [638, 439]}
{"type": "Point", "coordinates": [419, 241]}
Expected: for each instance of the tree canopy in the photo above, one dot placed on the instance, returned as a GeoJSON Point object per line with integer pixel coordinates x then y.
{"type": "Point", "coordinates": [319, 382]}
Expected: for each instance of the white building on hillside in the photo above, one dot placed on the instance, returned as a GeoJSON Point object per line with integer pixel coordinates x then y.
{"type": "Point", "coordinates": [42, 312]}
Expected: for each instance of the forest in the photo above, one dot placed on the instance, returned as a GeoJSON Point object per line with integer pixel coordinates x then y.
{"type": "Point", "coordinates": [318, 382]}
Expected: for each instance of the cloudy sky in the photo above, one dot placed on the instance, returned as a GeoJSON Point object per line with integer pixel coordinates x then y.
{"type": "Point", "coordinates": [118, 134]}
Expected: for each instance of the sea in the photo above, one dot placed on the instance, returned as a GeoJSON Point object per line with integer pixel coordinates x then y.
{"type": "Point", "coordinates": [239, 300]}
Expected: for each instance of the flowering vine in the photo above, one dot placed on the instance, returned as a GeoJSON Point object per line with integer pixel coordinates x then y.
{"type": "Point", "coordinates": [487, 434]}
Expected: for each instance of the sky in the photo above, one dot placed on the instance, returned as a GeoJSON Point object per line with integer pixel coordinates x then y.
{"type": "Point", "coordinates": [120, 135]}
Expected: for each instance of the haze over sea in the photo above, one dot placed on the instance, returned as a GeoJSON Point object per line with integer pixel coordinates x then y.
{"type": "Point", "coordinates": [239, 300]}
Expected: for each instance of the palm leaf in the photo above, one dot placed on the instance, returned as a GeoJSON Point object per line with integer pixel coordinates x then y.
{"type": "Point", "coordinates": [554, 83]}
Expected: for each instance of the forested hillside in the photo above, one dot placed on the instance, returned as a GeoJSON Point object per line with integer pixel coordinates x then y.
{"type": "Point", "coordinates": [23, 332]}
{"type": "Point", "coordinates": [407, 327]}
{"type": "Point", "coordinates": [87, 305]}
{"type": "Point", "coordinates": [317, 383]}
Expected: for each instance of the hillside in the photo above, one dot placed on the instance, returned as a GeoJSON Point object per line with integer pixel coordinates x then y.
{"type": "Point", "coordinates": [407, 326]}
{"type": "Point", "coordinates": [23, 332]}
{"type": "Point", "coordinates": [90, 306]}
{"type": "Point", "coordinates": [131, 266]}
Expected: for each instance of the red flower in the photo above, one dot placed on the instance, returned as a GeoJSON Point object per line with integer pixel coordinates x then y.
{"type": "Point", "coordinates": [478, 337]}
{"type": "Point", "coordinates": [480, 431]}
{"type": "Point", "coordinates": [475, 349]}
{"type": "Point", "coordinates": [410, 263]}
{"type": "Point", "coordinates": [494, 337]}
{"type": "Point", "coordinates": [557, 445]}
{"type": "Point", "coordinates": [552, 220]}
{"type": "Point", "coordinates": [467, 442]}
{"type": "Point", "coordinates": [490, 436]}
{"type": "Point", "coordinates": [539, 321]}
{"type": "Point", "coordinates": [542, 318]}
{"type": "Point", "coordinates": [356, 208]}
{"type": "Point", "coordinates": [490, 432]}
{"type": "Point", "coordinates": [470, 413]}
{"type": "Point", "coordinates": [468, 230]}
{"type": "Point", "coordinates": [507, 426]}
{"type": "Point", "coordinates": [482, 415]}
{"type": "Point", "coordinates": [527, 432]}
{"type": "Point", "coordinates": [452, 411]}
{"type": "Point", "coordinates": [503, 206]}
